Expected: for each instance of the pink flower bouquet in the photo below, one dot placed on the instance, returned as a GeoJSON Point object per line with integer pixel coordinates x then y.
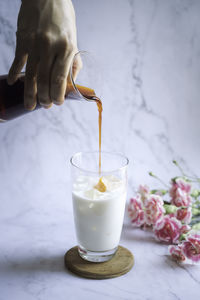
{"type": "Point", "coordinates": [173, 221]}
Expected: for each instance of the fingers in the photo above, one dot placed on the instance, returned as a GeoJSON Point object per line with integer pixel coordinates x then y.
{"type": "Point", "coordinates": [43, 80]}
{"type": "Point", "coordinates": [47, 69]}
{"type": "Point", "coordinates": [37, 74]}
{"type": "Point", "coordinates": [18, 63]}
{"type": "Point", "coordinates": [30, 85]}
{"type": "Point", "coordinates": [59, 77]}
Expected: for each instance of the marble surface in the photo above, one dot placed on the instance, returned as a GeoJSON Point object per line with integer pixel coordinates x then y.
{"type": "Point", "coordinates": [149, 54]}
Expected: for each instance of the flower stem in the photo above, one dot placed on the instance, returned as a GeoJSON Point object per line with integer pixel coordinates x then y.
{"type": "Point", "coordinates": [160, 180]}
{"type": "Point", "coordinates": [179, 167]}
{"type": "Point", "coordinates": [191, 178]}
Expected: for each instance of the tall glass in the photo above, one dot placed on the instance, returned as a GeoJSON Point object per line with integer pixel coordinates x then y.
{"type": "Point", "coordinates": [98, 214]}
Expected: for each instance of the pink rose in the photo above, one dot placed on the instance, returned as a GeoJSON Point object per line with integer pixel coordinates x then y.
{"type": "Point", "coordinates": [184, 214]}
{"type": "Point", "coordinates": [135, 211]}
{"type": "Point", "coordinates": [180, 192]}
{"type": "Point", "coordinates": [168, 230]}
{"type": "Point", "coordinates": [176, 253]}
{"type": "Point", "coordinates": [144, 191]}
{"type": "Point", "coordinates": [153, 209]}
{"type": "Point", "coordinates": [191, 247]}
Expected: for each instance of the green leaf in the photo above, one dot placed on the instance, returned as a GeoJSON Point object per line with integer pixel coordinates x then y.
{"type": "Point", "coordinates": [183, 236]}
{"type": "Point", "coordinates": [196, 226]}
{"type": "Point", "coordinates": [195, 211]}
{"type": "Point", "coordinates": [170, 209]}
{"type": "Point", "coordinates": [195, 194]}
{"type": "Point", "coordinates": [163, 192]}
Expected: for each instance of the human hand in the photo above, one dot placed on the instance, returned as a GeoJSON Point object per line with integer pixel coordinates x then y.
{"type": "Point", "coordinates": [47, 41]}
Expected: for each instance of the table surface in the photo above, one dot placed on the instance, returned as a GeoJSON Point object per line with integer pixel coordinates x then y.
{"type": "Point", "coordinates": [33, 244]}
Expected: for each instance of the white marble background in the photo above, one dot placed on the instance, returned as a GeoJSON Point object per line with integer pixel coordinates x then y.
{"type": "Point", "coordinates": [149, 51]}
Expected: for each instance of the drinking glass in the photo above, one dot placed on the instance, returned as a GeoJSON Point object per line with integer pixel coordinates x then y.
{"type": "Point", "coordinates": [98, 216]}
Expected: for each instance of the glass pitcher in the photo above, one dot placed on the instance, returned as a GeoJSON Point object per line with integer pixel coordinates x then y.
{"type": "Point", "coordinates": [12, 96]}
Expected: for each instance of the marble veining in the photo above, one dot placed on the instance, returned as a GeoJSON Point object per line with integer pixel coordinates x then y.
{"type": "Point", "coordinates": [149, 56]}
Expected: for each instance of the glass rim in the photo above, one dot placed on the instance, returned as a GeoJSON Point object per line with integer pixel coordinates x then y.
{"type": "Point", "coordinates": [102, 152]}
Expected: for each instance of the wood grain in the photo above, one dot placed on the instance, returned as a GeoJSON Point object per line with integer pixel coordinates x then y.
{"type": "Point", "coordinates": [121, 263]}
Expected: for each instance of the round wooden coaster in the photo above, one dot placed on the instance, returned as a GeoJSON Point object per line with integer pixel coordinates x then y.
{"type": "Point", "coordinates": [121, 263]}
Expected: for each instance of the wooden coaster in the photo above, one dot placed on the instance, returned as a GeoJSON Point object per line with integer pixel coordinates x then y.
{"type": "Point", "coordinates": [121, 263]}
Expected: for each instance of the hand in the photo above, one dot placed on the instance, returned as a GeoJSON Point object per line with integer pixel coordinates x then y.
{"type": "Point", "coordinates": [47, 41]}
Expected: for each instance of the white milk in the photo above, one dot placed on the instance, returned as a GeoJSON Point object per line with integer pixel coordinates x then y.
{"type": "Point", "coordinates": [98, 216]}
